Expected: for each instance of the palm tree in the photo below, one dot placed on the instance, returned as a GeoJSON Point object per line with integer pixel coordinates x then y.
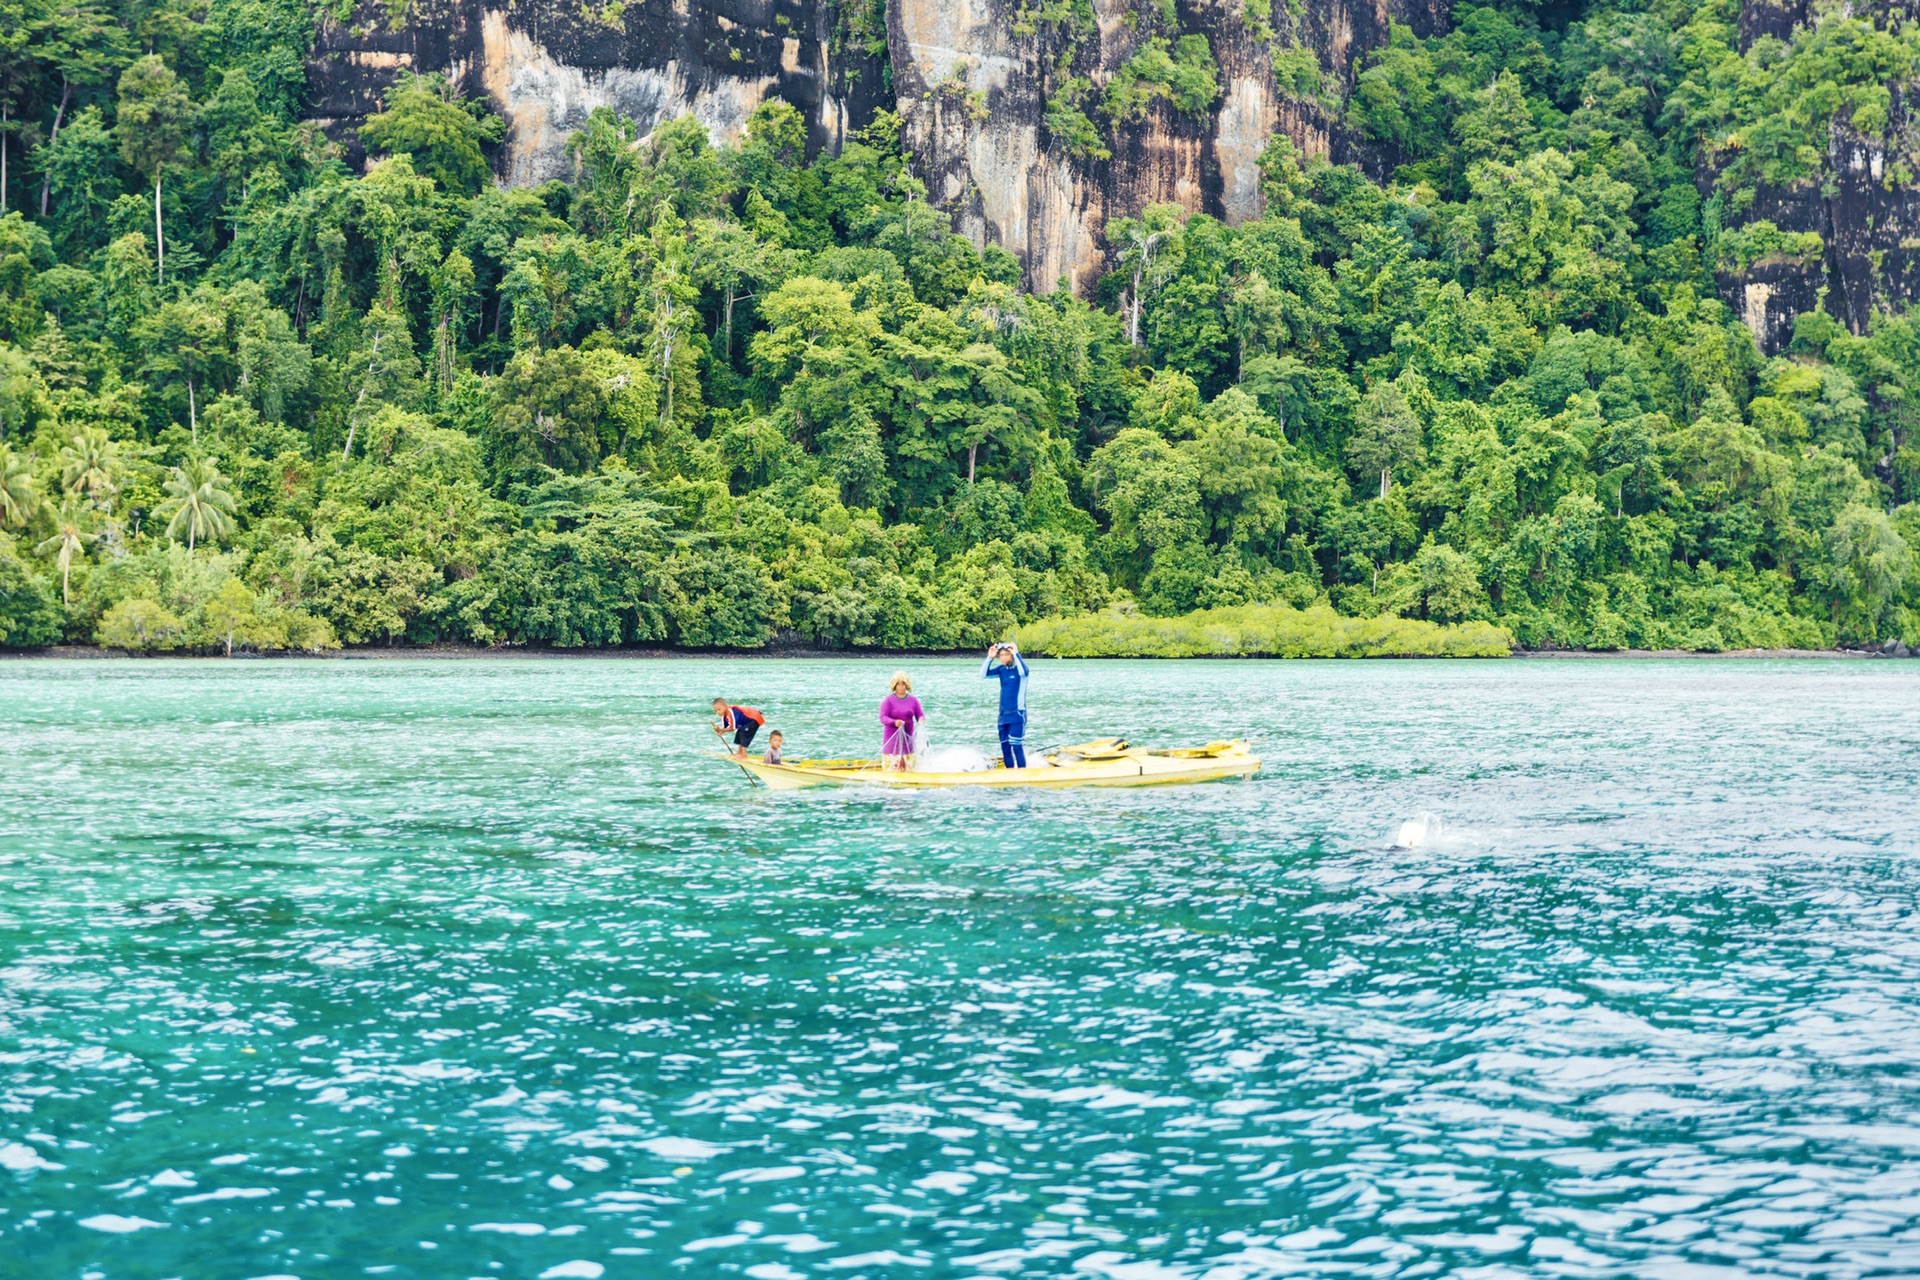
{"type": "Point", "coordinates": [88, 463]}
{"type": "Point", "coordinates": [68, 541]}
{"type": "Point", "coordinates": [18, 499]}
{"type": "Point", "coordinates": [198, 502]}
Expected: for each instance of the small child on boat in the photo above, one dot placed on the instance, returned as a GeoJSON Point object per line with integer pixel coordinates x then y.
{"type": "Point", "coordinates": [774, 740]}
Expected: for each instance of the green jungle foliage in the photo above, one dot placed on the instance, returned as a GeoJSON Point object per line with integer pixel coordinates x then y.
{"type": "Point", "coordinates": [1261, 631]}
{"type": "Point", "coordinates": [708, 396]}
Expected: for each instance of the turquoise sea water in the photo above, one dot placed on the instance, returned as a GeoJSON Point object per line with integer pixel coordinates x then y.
{"type": "Point", "coordinates": [476, 968]}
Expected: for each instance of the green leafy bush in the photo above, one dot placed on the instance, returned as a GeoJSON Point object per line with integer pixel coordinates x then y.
{"type": "Point", "coordinates": [170, 599]}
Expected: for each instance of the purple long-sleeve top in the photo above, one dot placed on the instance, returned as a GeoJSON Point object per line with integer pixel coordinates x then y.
{"type": "Point", "coordinates": [899, 724]}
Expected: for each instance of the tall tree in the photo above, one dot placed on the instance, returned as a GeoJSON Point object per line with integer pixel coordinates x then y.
{"type": "Point", "coordinates": [186, 339]}
{"type": "Point", "coordinates": [670, 312]}
{"type": "Point", "coordinates": [453, 295]}
{"type": "Point", "coordinates": [18, 55]}
{"type": "Point", "coordinates": [731, 261]}
{"type": "Point", "coordinates": [1387, 434]}
{"type": "Point", "coordinates": [155, 117]}
{"type": "Point", "coordinates": [391, 374]}
{"type": "Point", "coordinates": [80, 164]}
{"type": "Point", "coordinates": [1141, 243]}
{"type": "Point", "coordinates": [83, 46]}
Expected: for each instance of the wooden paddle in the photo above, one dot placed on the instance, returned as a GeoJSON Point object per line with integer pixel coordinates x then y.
{"type": "Point", "coordinates": [721, 734]}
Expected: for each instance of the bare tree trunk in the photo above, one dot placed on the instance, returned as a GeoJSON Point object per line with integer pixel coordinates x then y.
{"type": "Point", "coordinates": [445, 348]}
{"type": "Point", "coordinates": [193, 415]}
{"type": "Point", "coordinates": [6, 112]}
{"type": "Point", "coordinates": [666, 362]}
{"type": "Point", "coordinates": [1384, 475]}
{"type": "Point", "coordinates": [1133, 317]}
{"type": "Point", "coordinates": [159, 237]}
{"type": "Point", "coordinates": [973, 451]}
{"type": "Point", "coordinates": [727, 347]}
{"type": "Point", "coordinates": [46, 183]}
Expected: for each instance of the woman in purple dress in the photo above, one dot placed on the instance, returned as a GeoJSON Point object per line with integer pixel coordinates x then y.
{"type": "Point", "coordinates": [900, 717]}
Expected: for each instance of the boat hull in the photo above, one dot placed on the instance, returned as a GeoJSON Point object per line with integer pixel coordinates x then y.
{"type": "Point", "coordinates": [1135, 769]}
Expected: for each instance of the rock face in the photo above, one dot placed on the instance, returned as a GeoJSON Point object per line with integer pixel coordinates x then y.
{"type": "Point", "coordinates": [972, 79]}
{"type": "Point", "coordinates": [1871, 225]}
{"type": "Point", "coordinates": [548, 63]}
{"type": "Point", "coordinates": [972, 93]}
{"type": "Point", "coordinates": [1872, 260]}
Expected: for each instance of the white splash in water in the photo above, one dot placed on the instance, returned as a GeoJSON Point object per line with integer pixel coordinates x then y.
{"type": "Point", "coordinates": [1419, 832]}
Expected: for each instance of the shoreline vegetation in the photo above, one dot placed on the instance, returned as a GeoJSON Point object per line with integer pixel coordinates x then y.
{"type": "Point", "coordinates": [1243, 633]}
{"type": "Point", "coordinates": [1261, 631]}
{"type": "Point", "coordinates": [1484, 390]}
{"type": "Point", "coordinates": [513, 653]}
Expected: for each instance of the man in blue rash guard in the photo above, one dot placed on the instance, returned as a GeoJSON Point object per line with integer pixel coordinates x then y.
{"type": "Point", "coordinates": [1005, 664]}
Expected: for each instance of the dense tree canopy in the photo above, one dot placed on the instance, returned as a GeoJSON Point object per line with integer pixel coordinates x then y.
{"type": "Point", "coordinates": [706, 394]}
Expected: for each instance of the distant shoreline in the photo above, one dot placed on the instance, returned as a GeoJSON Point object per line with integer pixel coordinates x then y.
{"type": "Point", "coordinates": [1691, 653]}
{"type": "Point", "coordinates": [453, 652]}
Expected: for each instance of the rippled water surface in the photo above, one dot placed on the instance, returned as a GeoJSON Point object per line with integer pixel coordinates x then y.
{"type": "Point", "coordinates": [477, 968]}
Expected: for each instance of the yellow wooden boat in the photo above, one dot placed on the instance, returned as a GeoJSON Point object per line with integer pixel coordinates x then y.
{"type": "Point", "coordinates": [1108, 762]}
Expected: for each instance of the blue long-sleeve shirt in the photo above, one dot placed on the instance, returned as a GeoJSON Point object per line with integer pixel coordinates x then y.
{"type": "Point", "coordinates": [1013, 683]}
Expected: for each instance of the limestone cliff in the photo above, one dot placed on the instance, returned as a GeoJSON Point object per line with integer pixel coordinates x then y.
{"type": "Point", "coordinates": [978, 84]}
{"type": "Point", "coordinates": [971, 79]}
{"type": "Point", "coordinates": [548, 63]}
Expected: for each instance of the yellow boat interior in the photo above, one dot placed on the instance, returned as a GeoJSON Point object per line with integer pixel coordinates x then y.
{"type": "Point", "coordinates": [1103, 762]}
